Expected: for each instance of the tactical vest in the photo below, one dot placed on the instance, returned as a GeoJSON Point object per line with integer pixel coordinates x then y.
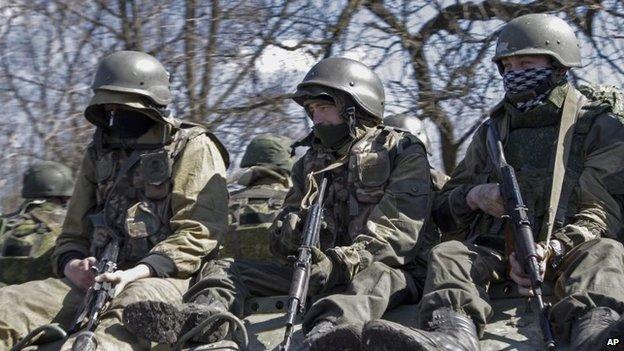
{"type": "Point", "coordinates": [134, 193]}
{"type": "Point", "coordinates": [28, 241]}
{"type": "Point", "coordinates": [534, 172]}
{"type": "Point", "coordinates": [252, 211]}
{"type": "Point", "coordinates": [358, 185]}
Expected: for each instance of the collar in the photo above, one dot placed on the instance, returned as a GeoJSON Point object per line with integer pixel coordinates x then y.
{"type": "Point", "coordinates": [546, 114]}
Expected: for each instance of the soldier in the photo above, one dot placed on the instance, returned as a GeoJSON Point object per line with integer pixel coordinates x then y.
{"type": "Point", "coordinates": [417, 128]}
{"type": "Point", "coordinates": [265, 181]}
{"type": "Point", "coordinates": [374, 229]}
{"type": "Point", "coordinates": [28, 235]}
{"type": "Point", "coordinates": [533, 54]}
{"type": "Point", "coordinates": [153, 182]}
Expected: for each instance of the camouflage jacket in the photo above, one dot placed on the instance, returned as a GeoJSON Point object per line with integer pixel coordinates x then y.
{"type": "Point", "coordinates": [28, 241]}
{"type": "Point", "coordinates": [168, 202]}
{"type": "Point", "coordinates": [252, 211]}
{"type": "Point", "coordinates": [587, 208]}
{"type": "Point", "coordinates": [378, 198]}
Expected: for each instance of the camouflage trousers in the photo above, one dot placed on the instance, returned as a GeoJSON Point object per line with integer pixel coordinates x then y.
{"type": "Point", "coordinates": [371, 292]}
{"type": "Point", "coordinates": [30, 305]}
{"type": "Point", "coordinates": [591, 275]}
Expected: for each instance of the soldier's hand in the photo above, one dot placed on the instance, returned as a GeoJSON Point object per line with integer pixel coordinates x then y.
{"type": "Point", "coordinates": [320, 272]}
{"type": "Point", "coordinates": [487, 198]}
{"type": "Point", "coordinates": [120, 278]}
{"type": "Point", "coordinates": [290, 231]}
{"type": "Point", "coordinates": [517, 272]}
{"type": "Point", "coordinates": [79, 272]}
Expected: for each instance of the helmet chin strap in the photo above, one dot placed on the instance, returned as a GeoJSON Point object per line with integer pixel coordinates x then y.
{"type": "Point", "coordinates": [349, 116]}
{"type": "Point", "coordinates": [111, 118]}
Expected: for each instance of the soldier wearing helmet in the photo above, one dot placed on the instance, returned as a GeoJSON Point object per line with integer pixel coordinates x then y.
{"type": "Point", "coordinates": [151, 181]}
{"type": "Point", "coordinates": [374, 227]}
{"type": "Point", "coordinates": [574, 217]}
{"type": "Point", "coordinates": [27, 236]}
{"type": "Point", "coordinates": [264, 182]}
{"type": "Point", "coordinates": [417, 128]}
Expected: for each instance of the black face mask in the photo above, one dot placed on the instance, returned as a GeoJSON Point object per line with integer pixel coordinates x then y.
{"type": "Point", "coordinates": [129, 124]}
{"type": "Point", "coordinates": [332, 136]}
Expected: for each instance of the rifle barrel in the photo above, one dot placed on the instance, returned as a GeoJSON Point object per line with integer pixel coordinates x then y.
{"type": "Point", "coordinates": [521, 225]}
{"type": "Point", "coordinates": [301, 272]}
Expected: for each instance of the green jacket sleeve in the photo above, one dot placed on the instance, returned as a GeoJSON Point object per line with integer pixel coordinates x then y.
{"type": "Point", "coordinates": [199, 205]}
{"type": "Point", "coordinates": [76, 232]}
{"type": "Point", "coordinates": [451, 211]}
{"type": "Point", "coordinates": [393, 227]}
{"type": "Point", "coordinates": [291, 204]}
{"type": "Point", "coordinates": [599, 213]}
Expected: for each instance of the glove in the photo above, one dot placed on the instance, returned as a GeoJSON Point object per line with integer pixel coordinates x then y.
{"type": "Point", "coordinates": [288, 232]}
{"type": "Point", "coordinates": [554, 252]}
{"type": "Point", "coordinates": [323, 272]}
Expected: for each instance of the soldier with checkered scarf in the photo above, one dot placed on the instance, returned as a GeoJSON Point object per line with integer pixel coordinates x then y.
{"type": "Point", "coordinates": [583, 259]}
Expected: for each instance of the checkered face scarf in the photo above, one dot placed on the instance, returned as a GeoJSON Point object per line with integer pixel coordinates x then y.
{"type": "Point", "coordinates": [527, 79]}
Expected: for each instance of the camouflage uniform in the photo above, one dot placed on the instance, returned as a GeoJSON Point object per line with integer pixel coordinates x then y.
{"type": "Point", "coordinates": [163, 191]}
{"type": "Point", "coordinates": [374, 231]}
{"type": "Point", "coordinates": [265, 182]}
{"type": "Point", "coordinates": [377, 245]}
{"type": "Point", "coordinates": [587, 274]}
{"type": "Point", "coordinates": [28, 242]}
{"type": "Point", "coordinates": [417, 128]}
{"type": "Point", "coordinates": [28, 235]}
{"type": "Point", "coordinates": [592, 213]}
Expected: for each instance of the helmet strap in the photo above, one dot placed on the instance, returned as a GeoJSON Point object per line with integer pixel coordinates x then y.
{"type": "Point", "coordinates": [349, 116]}
{"type": "Point", "coordinates": [111, 118]}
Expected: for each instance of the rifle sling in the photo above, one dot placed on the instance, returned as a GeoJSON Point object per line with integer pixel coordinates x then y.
{"type": "Point", "coordinates": [556, 210]}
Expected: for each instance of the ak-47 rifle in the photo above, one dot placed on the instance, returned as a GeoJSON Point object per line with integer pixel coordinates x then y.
{"type": "Point", "coordinates": [96, 300]}
{"type": "Point", "coordinates": [516, 213]}
{"type": "Point", "coordinates": [301, 272]}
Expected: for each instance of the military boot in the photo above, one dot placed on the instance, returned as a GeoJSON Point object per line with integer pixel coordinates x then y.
{"type": "Point", "coordinates": [594, 328]}
{"type": "Point", "coordinates": [449, 331]}
{"type": "Point", "coordinates": [346, 337]}
{"type": "Point", "coordinates": [166, 323]}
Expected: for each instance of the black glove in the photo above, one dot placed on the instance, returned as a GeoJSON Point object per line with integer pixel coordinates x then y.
{"type": "Point", "coordinates": [324, 273]}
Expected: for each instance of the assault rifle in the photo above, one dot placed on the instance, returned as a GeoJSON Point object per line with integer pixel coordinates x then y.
{"type": "Point", "coordinates": [301, 272]}
{"type": "Point", "coordinates": [96, 300]}
{"type": "Point", "coordinates": [516, 213]}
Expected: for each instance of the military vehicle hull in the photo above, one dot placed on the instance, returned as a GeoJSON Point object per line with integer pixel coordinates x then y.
{"type": "Point", "coordinates": [514, 325]}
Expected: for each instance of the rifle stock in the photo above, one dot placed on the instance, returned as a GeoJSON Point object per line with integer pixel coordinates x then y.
{"type": "Point", "coordinates": [301, 273]}
{"type": "Point", "coordinates": [524, 240]}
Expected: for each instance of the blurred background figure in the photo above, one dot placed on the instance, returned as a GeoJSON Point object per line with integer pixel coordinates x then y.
{"type": "Point", "coordinates": [264, 180]}
{"type": "Point", "coordinates": [27, 235]}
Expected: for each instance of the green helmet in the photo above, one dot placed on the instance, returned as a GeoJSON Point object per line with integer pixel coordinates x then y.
{"type": "Point", "coordinates": [539, 34]}
{"type": "Point", "coordinates": [268, 149]}
{"type": "Point", "coordinates": [411, 124]}
{"type": "Point", "coordinates": [131, 78]}
{"type": "Point", "coordinates": [47, 179]}
{"type": "Point", "coordinates": [133, 72]}
{"type": "Point", "coordinates": [348, 76]}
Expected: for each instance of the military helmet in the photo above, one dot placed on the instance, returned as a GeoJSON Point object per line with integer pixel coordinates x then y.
{"type": "Point", "coordinates": [47, 179]}
{"type": "Point", "coordinates": [268, 149]}
{"type": "Point", "coordinates": [538, 34]}
{"type": "Point", "coordinates": [348, 76]}
{"type": "Point", "coordinates": [133, 72]}
{"type": "Point", "coordinates": [133, 79]}
{"type": "Point", "coordinates": [411, 124]}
